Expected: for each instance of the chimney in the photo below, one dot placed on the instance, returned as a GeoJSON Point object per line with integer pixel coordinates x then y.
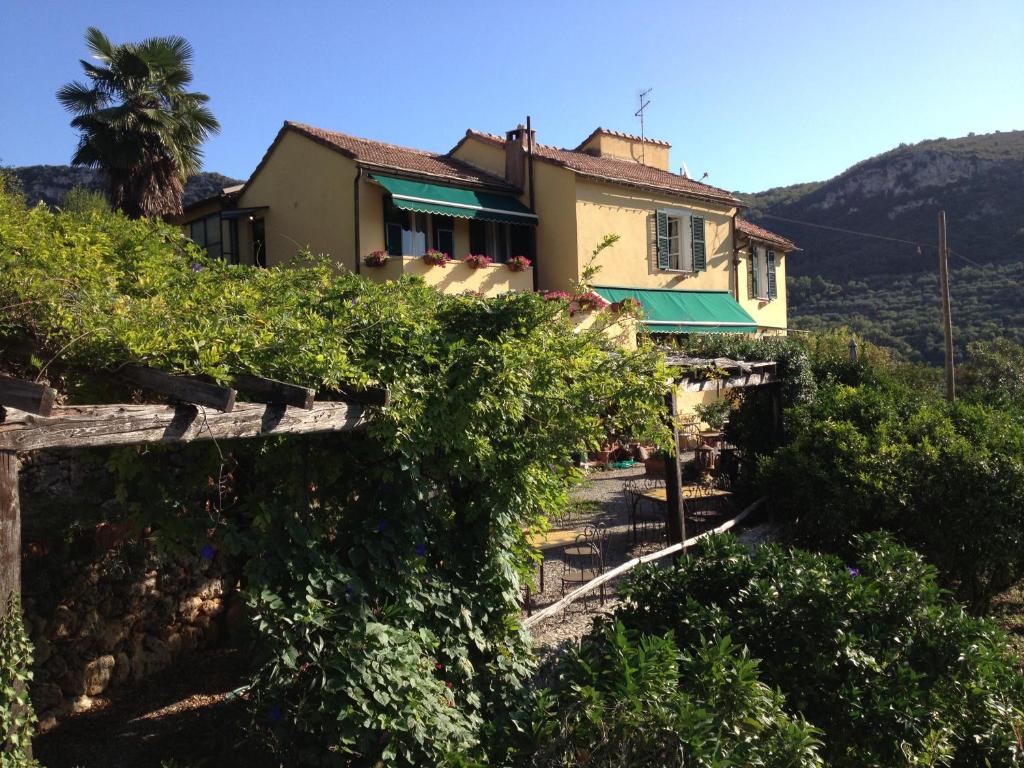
{"type": "Point", "coordinates": [517, 141]}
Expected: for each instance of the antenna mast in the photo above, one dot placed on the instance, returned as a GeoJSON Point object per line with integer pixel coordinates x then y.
{"type": "Point", "coordinates": [640, 113]}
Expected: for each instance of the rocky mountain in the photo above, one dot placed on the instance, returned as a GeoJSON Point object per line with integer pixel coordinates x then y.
{"type": "Point", "coordinates": [50, 183]}
{"type": "Point", "coordinates": [887, 288]}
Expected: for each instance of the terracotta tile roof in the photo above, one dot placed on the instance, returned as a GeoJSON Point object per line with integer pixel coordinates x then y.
{"type": "Point", "coordinates": [620, 171]}
{"type": "Point", "coordinates": [390, 156]}
{"type": "Point", "coordinates": [621, 135]}
{"type": "Point", "coordinates": [760, 233]}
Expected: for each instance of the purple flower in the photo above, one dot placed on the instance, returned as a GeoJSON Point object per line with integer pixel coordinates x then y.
{"type": "Point", "coordinates": [382, 525]}
{"type": "Point", "coordinates": [349, 592]}
{"type": "Point", "coordinates": [274, 714]}
{"type": "Point", "coordinates": [854, 572]}
{"type": "Point", "coordinates": [208, 552]}
{"type": "Point", "coordinates": [355, 302]}
{"type": "Point", "coordinates": [196, 267]}
{"type": "Point", "coordinates": [421, 549]}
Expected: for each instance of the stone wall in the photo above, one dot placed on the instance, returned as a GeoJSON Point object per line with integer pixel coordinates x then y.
{"type": "Point", "coordinates": [104, 622]}
{"type": "Point", "coordinates": [105, 609]}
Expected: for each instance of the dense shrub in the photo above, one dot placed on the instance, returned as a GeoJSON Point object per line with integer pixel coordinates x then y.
{"type": "Point", "coordinates": [869, 650]}
{"type": "Point", "coordinates": [629, 699]}
{"type": "Point", "coordinates": [948, 480]}
{"type": "Point", "coordinates": [383, 568]}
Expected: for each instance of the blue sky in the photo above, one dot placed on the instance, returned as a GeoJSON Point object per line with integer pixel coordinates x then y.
{"type": "Point", "coordinates": [758, 94]}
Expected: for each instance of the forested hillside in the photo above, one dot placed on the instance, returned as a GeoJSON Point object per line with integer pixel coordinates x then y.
{"type": "Point", "coordinates": [887, 289]}
{"type": "Point", "coordinates": [50, 183]}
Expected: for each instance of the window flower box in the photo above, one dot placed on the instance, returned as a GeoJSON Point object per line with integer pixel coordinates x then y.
{"type": "Point", "coordinates": [590, 302]}
{"type": "Point", "coordinates": [436, 258]}
{"type": "Point", "coordinates": [476, 260]}
{"type": "Point", "coordinates": [518, 264]}
{"type": "Point", "coordinates": [376, 259]}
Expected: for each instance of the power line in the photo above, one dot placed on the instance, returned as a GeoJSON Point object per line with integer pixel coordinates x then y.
{"type": "Point", "coordinates": [872, 235]}
{"type": "Point", "coordinates": [848, 231]}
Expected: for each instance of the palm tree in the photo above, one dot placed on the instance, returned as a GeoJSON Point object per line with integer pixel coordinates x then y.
{"type": "Point", "coordinates": [137, 123]}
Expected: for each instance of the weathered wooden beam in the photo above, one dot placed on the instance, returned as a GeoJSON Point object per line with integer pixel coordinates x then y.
{"type": "Point", "coordinates": [365, 396]}
{"type": "Point", "coordinates": [86, 426]}
{"type": "Point", "coordinates": [10, 530]}
{"type": "Point", "coordinates": [184, 389]}
{"type": "Point", "coordinates": [733, 382]}
{"type": "Point", "coordinates": [273, 391]}
{"type": "Point", "coordinates": [26, 395]}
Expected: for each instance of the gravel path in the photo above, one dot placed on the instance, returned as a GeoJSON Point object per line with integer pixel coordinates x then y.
{"type": "Point", "coordinates": [600, 499]}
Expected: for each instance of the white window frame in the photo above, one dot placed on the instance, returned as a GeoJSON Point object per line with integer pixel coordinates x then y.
{"type": "Point", "coordinates": [683, 258]}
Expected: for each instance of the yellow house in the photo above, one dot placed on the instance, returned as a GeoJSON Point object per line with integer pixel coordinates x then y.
{"type": "Point", "coordinates": [683, 252]}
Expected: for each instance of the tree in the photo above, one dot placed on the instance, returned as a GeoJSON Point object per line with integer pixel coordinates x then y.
{"type": "Point", "coordinates": [137, 123]}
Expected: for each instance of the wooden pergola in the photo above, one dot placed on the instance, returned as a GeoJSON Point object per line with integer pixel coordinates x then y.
{"type": "Point", "coordinates": [738, 374]}
{"type": "Point", "coordinates": [198, 410]}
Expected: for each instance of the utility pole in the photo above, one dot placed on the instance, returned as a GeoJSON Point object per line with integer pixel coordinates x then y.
{"type": "Point", "coordinates": [947, 318]}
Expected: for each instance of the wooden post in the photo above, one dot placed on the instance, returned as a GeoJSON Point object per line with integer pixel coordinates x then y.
{"type": "Point", "coordinates": [947, 316]}
{"type": "Point", "coordinates": [674, 496]}
{"type": "Point", "coordinates": [10, 546]}
{"type": "Point", "coordinates": [10, 530]}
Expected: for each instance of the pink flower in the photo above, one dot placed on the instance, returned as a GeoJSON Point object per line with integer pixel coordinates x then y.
{"type": "Point", "coordinates": [518, 263]}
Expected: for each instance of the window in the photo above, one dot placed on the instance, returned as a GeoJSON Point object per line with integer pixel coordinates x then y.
{"type": "Point", "coordinates": [679, 241]}
{"type": "Point", "coordinates": [490, 238]}
{"type": "Point", "coordinates": [444, 234]}
{"type": "Point", "coordinates": [206, 233]}
{"type": "Point", "coordinates": [762, 274]}
{"type": "Point", "coordinates": [405, 232]}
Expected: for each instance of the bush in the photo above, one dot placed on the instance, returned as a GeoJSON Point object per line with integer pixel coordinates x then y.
{"type": "Point", "coordinates": [947, 480]}
{"type": "Point", "coordinates": [629, 699]}
{"type": "Point", "coordinates": [869, 651]}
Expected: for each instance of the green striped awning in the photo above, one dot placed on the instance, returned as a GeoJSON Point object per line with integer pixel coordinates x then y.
{"type": "Point", "coordinates": [455, 201]}
{"type": "Point", "coordinates": [668, 311]}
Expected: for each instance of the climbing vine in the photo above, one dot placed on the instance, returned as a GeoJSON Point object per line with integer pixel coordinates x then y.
{"type": "Point", "coordinates": [17, 717]}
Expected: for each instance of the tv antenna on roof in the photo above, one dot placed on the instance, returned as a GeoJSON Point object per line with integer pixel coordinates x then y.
{"type": "Point", "coordinates": [644, 103]}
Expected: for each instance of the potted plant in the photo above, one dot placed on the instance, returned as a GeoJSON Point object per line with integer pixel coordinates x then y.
{"type": "Point", "coordinates": [376, 259]}
{"type": "Point", "coordinates": [476, 260]}
{"type": "Point", "coordinates": [590, 301]}
{"type": "Point", "coordinates": [436, 258]}
{"type": "Point", "coordinates": [715, 415]}
{"type": "Point", "coordinates": [518, 264]}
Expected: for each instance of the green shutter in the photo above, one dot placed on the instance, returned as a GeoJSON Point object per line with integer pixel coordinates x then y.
{"type": "Point", "coordinates": [661, 242]}
{"type": "Point", "coordinates": [772, 289]}
{"type": "Point", "coordinates": [755, 291]}
{"type": "Point", "coordinates": [700, 256]}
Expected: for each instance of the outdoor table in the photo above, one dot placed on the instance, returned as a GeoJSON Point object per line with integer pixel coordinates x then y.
{"type": "Point", "coordinates": [543, 542]}
{"type": "Point", "coordinates": [691, 493]}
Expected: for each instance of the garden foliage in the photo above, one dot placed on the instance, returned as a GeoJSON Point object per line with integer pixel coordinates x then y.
{"type": "Point", "coordinates": [384, 568]}
{"type": "Point", "coordinates": [945, 479]}
{"type": "Point", "coordinates": [623, 698]}
{"type": "Point", "coordinates": [870, 650]}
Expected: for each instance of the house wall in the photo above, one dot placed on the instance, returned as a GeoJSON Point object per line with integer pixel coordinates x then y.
{"type": "Point", "coordinates": [602, 209]}
{"type": "Point", "coordinates": [558, 262]}
{"type": "Point", "coordinates": [309, 190]}
{"type": "Point", "coordinates": [483, 155]}
{"type": "Point", "coordinates": [555, 195]}
{"type": "Point", "coordinates": [456, 277]}
{"type": "Point", "coordinates": [654, 155]}
{"type": "Point", "coordinates": [770, 315]}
